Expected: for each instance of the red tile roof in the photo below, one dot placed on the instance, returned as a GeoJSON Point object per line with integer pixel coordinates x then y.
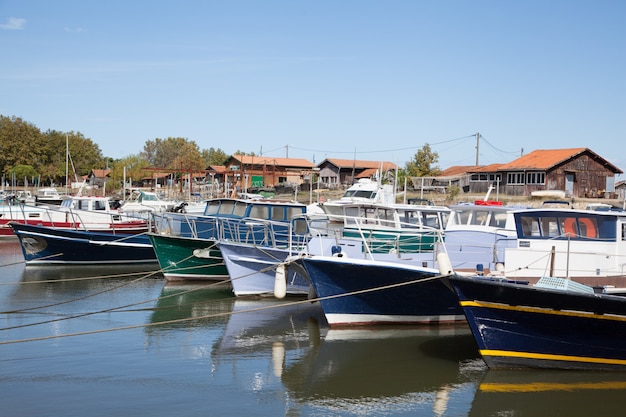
{"type": "Point", "coordinates": [268, 160]}
{"type": "Point", "coordinates": [101, 173]}
{"type": "Point", "coordinates": [349, 163]}
{"type": "Point", "coordinates": [543, 159]}
{"type": "Point", "coordinates": [457, 170]}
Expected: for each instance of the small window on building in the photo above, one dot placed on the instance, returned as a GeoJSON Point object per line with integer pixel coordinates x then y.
{"type": "Point", "coordinates": [538, 178]}
{"type": "Point", "coordinates": [515, 178]}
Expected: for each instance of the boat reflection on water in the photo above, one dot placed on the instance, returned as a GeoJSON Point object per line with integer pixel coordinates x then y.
{"type": "Point", "coordinates": [269, 325]}
{"type": "Point", "coordinates": [41, 282]}
{"type": "Point", "coordinates": [549, 393]}
{"type": "Point", "coordinates": [391, 370]}
{"type": "Point", "coordinates": [184, 306]}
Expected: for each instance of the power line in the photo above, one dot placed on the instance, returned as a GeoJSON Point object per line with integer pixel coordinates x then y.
{"type": "Point", "coordinates": [379, 151]}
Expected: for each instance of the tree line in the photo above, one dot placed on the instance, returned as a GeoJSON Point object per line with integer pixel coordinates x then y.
{"type": "Point", "coordinates": [39, 158]}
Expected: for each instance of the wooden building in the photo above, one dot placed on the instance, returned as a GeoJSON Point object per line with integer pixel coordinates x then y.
{"type": "Point", "coordinates": [248, 172]}
{"type": "Point", "coordinates": [340, 172]}
{"type": "Point", "coordinates": [578, 172]}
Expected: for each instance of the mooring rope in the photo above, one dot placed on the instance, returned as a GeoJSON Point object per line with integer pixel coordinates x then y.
{"type": "Point", "coordinates": [215, 315]}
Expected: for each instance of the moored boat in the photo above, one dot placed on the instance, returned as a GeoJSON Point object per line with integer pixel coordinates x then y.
{"type": "Point", "coordinates": [370, 291]}
{"type": "Point", "coordinates": [556, 323]}
{"type": "Point", "coordinates": [43, 245]}
{"type": "Point", "coordinates": [364, 190]}
{"type": "Point", "coordinates": [76, 213]}
{"type": "Point", "coordinates": [186, 245]}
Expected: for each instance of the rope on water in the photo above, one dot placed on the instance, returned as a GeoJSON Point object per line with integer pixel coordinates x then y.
{"type": "Point", "coordinates": [229, 313]}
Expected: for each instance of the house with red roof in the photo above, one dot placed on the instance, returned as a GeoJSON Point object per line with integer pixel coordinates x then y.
{"type": "Point", "coordinates": [578, 172]}
{"type": "Point", "coordinates": [335, 172]}
{"type": "Point", "coordinates": [249, 171]}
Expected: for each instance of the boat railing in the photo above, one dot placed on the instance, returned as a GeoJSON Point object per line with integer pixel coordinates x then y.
{"type": "Point", "coordinates": [91, 220]}
{"type": "Point", "coordinates": [255, 231]}
{"type": "Point", "coordinates": [70, 218]}
{"type": "Point", "coordinates": [191, 225]}
{"type": "Point", "coordinates": [319, 229]}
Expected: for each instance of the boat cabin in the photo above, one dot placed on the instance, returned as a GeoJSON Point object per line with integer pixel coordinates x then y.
{"type": "Point", "coordinates": [585, 244]}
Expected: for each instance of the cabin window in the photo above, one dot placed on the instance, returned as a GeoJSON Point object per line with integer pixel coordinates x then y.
{"type": "Point", "coordinates": [431, 220]}
{"type": "Point", "coordinates": [498, 220]}
{"type": "Point", "coordinates": [259, 212]}
{"type": "Point", "coordinates": [530, 227]}
{"type": "Point", "coordinates": [480, 218]}
{"type": "Point", "coordinates": [538, 178]}
{"type": "Point", "coordinates": [212, 208]}
{"type": "Point", "coordinates": [570, 227]}
{"type": "Point", "coordinates": [294, 211]}
{"type": "Point", "coordinates": [549, 227]}
{"type": "Point", "coordinates": [410, 217]}
{"type": "Point", "coordinates": [227, 207]}
{"type": "Point", "coordinates": [300, 227]}
{"type": "Point", "coordinates": [278, 213]}
{"type": "Point", "coordinates": [240, 209]}
{"type": "Point", "coordinates": [99, 205]}
{"type": "Point", "coordinates": [623, 231]}
{"type": "Point", "coordinates": [462, 217]}
{"type": "Point", "coordinates": [515, 178]}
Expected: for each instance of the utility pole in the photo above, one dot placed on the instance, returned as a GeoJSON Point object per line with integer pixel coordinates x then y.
{"type": "Point", "coordinates": [477, 146]}
{"type": "Point", "coordinates": [287, 151]}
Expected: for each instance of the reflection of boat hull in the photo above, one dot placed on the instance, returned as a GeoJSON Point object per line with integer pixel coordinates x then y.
{"type": "Point", "coordinates": [184, 258]}
{"type": "Point", "coordinates": [411, 296]}
{"type": "Point", "coordinates": [518, 325]}
{"type": "Point", "coordinates": [383, 362]}
{"type": "Point", "coordinates": [252, 270]}
{"type": "Point", "coordinates": [180, 303]}
{"type": "Point", "coordinates": [257, 323]}
{"type": "Point", "coordinates": [44, 245]}
{"type": "Point", "coordinates": [549, 393]}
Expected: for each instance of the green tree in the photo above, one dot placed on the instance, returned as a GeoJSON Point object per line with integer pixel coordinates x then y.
{"type": "Point", "coordinates": [84, 155]}
{"type": "Point", "coordinates": [174, 154]}
{"type": "Point", "coordinates": [135, 167]}
{"type": "Point", "coordinates": [422, 164]}
{"type": "Point", "coordinates": [21, 143]}
{"type": "Point", "coordinates": [23, 173]}
{"type": "Point", "coordinates": [214, 156]}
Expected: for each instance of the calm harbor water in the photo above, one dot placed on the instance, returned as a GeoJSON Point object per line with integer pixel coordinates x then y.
{"type": "Point", "coordinates": [95, 341]}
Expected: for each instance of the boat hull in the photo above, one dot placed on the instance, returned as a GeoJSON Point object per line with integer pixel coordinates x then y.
{"type": "Point", "coordinates": [353, 292]}
{"type": "Point", "coordinates": [44, 245]}
{"type": "Point", "coordinates": [252, 270]}
{"type": "Point", "coordinates": [182, 258]}
{"type": "Point", "coordinates": [519, 325]}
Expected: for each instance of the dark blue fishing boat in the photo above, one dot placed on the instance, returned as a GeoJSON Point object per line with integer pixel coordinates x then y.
{"type": "Point", "coordinates": [556, 323]}
{"type": "Point", "coordinates": [47, 245]}
{"type": "Point", "coordinates": [365, 291]}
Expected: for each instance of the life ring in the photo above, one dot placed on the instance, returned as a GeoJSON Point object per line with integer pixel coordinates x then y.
{"type": "Point", "coordinates": [588, 227]}
{"type": "Point", "coordinates": [569, 226]}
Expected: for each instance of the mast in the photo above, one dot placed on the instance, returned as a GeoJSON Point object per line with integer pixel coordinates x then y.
{"type": "Point", "coordinates": [67, 155]}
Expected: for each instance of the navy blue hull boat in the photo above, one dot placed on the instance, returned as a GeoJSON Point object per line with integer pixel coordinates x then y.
{"type": "Point", "coordinates": [46, 245]}
{"type": "Point", "coordinates": [555, 324]}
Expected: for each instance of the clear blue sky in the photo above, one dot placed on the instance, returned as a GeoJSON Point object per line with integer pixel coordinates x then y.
{"type": "Point", "coordinates": [325, 78]}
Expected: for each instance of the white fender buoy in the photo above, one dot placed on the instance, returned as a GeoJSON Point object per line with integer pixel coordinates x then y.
{"type": "Point", "coordinates": [278, 358]}
{"type": "Point", "coordinates": [445, 266]}
{"type": "Point", "coordinates": [280, 282]}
